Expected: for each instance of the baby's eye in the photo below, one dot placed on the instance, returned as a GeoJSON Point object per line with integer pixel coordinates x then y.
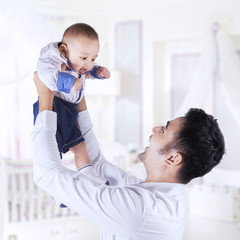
{"type": "Point", "coordinates": [93, 60]}
{"type": "Point", "coordinates": [83, 58]}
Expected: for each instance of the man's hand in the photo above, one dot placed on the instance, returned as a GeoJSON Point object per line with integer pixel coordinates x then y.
{"type": "Point", "coordinates": [103, 72]}
{"type": "Point", "coordinates": [77, 85]}
{"type": "Point", "coordinates": [82, 106]}
{"type": "Point", "coordinates": [45, 94]}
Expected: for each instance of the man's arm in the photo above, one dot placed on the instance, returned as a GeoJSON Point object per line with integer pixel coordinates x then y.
{"type": "Point", "coordinates": [45, 95]}
{"type": "Point", "coordinates": [105, 169]}
{"type": "Point", "coordinates": [118, 210]}
{"type": "Point", "coordinates": [115, 209]}
{"type": "Point", "coordinates": [78, 189]}
{"type": "Point", "coordinates": [82, 106]}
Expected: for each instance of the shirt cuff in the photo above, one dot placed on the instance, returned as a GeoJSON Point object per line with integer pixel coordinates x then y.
{"type": "Point", "coordinates": [46, 119]}
{"type": "Point", "coordinates": [81, 168]}
{"type": "Point", "coordinates": [93, 72]}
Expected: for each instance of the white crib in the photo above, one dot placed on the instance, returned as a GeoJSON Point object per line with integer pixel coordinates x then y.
{"type": "Point", "coordinates": [27, 212]}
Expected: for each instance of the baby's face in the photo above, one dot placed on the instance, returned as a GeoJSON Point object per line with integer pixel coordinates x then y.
{"type": "Point", "coordinates": [82, 52]}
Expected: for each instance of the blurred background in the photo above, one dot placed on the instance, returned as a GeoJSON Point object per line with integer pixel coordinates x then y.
{"type": "Point", "coordinates": [165, 57]}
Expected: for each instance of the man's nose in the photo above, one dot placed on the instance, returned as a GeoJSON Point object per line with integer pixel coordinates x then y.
{"type": "Point", "coordinates": [156, 129]}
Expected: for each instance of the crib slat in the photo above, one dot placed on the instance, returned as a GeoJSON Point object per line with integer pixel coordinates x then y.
{"type": "Point", "coordinates": [22, 197]}
{"type": "Point", "coordinates": [13, 214]}
{"type": "Point", "coordinates": [31, 198]}
{"type": "Point", "coordinates": [27, 202]}
{"type": "Point", "coordinates": [39, 204]}
{"type": "Point", "coordinates": [3, 197]}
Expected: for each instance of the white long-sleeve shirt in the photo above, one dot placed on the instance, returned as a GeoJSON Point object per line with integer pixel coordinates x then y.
{"type": "Point", "coordinates": [126, 209]}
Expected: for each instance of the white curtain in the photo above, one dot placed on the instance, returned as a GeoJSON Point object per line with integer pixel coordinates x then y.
{"type": "Point", "coordinates": [215, 88]}
{"type": "Point", "coordinates": [228, 98]}
{"type": "Point", "coordinates": [200, 90]}
{"type": "Point", "coordinates": [229, 73]}
{"type": "Point", "coordinates": [23, 32]}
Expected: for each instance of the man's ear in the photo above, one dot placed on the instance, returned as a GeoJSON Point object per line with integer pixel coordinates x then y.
{"type": "Point", "coordinates": [63, 49]}
{"type": "Point", "coordinates": [173, 159]}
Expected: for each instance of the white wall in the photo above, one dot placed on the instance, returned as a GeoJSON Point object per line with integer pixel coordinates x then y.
{"type": "Point", "coordinates": [170, 21]}
{"type": "Point", "coordinates": [26, 27]}
{"type": "Point", "coordinates": [162, 21]}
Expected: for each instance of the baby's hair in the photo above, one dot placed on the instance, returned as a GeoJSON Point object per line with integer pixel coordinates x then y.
{"type": "Point", "coordinates": [82, 29]}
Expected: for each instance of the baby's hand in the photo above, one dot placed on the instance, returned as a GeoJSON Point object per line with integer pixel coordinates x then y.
{"type": "Point", "coordinates": [77, 85]}
{"type": "Point", "coordinates": [103, 72]}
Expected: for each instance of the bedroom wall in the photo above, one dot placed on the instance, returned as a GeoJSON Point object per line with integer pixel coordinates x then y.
{"type": "Point", "coordinates": [176, 22]}
{"type": "Point", "coordinates": [162, 22]}
{"type": "Point", "coordinates": [27, 26]}
{"type": "Point", "coordinates": [165, 22]}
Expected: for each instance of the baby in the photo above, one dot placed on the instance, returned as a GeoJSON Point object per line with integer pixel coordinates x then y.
{"type": "Point", "coordinates": [63, 67]}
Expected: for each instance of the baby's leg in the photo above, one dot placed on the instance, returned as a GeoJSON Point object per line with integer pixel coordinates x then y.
{"type": "Point", "coordinates": [81, 156]}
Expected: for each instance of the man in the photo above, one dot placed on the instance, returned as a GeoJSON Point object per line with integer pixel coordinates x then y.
{"type": "Point", "coordinates": [128, 207]}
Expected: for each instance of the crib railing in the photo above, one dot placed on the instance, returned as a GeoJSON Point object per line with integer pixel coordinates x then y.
{"type": "Point", "coordinates": [23, 200]}
{"type": "Point", "coordinates": [27, 211]}
{"type": "Point", "coordinates": [24, 207]}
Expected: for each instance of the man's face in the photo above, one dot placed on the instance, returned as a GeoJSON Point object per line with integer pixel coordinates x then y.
{"type": "Point", "coordinates": [161, 137]}
{"type": "Point", "coordinates": [82, 53]}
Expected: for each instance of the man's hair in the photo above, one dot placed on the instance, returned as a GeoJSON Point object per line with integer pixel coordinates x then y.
{"type": "Point", "coordinates": [82, 29]}
{"type": "Point", "coordinates": [201, 144]}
